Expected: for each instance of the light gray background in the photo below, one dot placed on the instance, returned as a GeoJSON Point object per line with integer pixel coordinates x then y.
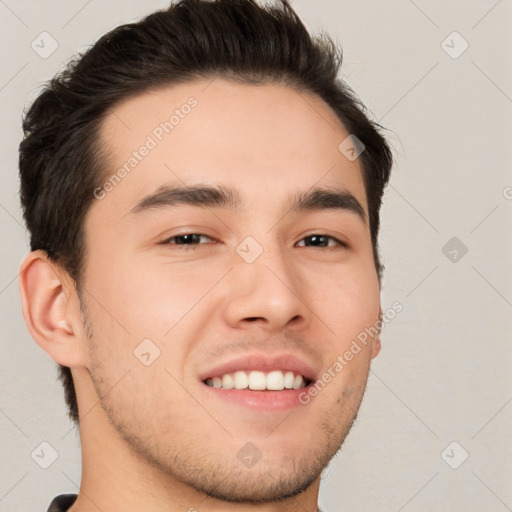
{"type": "Point", "coordinates": [443, 373]}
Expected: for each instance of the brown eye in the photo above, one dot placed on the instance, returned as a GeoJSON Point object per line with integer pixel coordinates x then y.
{"type": "Point", "coordinates": [318, 240]}
{"type": "Point", "coordinates": [186, 239]}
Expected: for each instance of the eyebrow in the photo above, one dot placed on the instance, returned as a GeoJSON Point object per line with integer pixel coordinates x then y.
{"type": "Point", "coordinates": [220, 196]}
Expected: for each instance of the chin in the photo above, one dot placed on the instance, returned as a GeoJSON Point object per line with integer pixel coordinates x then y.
{"type": "Point", "coordinates": [271, 482]}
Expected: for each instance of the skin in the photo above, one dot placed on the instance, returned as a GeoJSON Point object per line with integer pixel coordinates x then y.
{"type": "Point", "coordinates": [152, 437]}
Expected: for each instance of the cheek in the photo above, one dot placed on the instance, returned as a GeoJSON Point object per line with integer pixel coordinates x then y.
{"type": "Point", "coordinates": [347, 301]}
{"type": "Point", "coordinates": [148, 298]}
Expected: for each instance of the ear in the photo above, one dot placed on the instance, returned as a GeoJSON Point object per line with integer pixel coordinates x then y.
{"type": "Point", "coordinates": [51, 309]}
{"type": "Point", "coordinates": [376, 341]}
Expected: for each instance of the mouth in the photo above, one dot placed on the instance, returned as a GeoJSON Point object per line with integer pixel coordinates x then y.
{"type": "Point", "coordinates": [260, 382]}
{"type": "Point", "coordinates": [276, 380]}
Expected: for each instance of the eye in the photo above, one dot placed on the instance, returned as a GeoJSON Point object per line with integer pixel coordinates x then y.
{"type": "Point", "coordinates": [319, 240]}
{"type": "Point", "coordinates": [189, 240]}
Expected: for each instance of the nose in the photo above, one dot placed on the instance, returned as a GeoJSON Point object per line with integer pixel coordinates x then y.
{"type": "Point", "coordinates": [267, 293]}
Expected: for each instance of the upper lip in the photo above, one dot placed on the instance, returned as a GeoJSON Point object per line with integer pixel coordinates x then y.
{"type": "Point", "coordinates": [264, 363]}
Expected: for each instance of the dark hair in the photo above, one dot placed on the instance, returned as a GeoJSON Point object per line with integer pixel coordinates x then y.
{"type": "Point", "coordinates": [61, 159]}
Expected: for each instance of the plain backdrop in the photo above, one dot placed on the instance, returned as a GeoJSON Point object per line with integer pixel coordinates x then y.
{"type": "Point", "coordinates": [434, 430]}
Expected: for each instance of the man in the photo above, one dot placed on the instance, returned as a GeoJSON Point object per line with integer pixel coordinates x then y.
{"type": "Point", "coordinates": [203, 198]}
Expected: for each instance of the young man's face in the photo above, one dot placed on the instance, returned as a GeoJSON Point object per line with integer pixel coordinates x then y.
{"type": "Point", "coordinates": [256, 292]}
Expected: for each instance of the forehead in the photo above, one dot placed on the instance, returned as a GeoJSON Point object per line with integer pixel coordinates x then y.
{"type": "Point", "coordinates": [262, 139]}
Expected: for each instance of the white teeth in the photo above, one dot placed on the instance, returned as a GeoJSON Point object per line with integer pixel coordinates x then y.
{"type": "Point", "coordinates": [241, 380]}
{"type": "Point", "coordinates": [258, 381]}
{"type": "Point", "coordinates": [288, 380]}
{"type": "Point", "coordinates": [298, 382]}
{"type": "Point", "coordinates": [227, 381]}
{"type": "Point", "coordinates": [275, 381]}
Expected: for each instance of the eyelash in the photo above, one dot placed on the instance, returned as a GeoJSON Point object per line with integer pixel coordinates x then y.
{"type": "Point", "coordinates": [193, 246]}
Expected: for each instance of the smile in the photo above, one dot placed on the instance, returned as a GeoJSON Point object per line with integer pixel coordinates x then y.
{"type": "Point", "coordinates": [276, 380]}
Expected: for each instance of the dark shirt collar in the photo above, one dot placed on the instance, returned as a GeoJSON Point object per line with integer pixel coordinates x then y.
{"type": "Point", "coordinates": [63, 502]}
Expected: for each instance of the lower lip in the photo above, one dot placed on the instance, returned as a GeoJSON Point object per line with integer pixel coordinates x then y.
{"type": "Point", "coordinates": [260, 400]}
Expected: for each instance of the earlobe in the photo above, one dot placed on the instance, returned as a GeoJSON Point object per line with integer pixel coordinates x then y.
{"type": "Point", "coordinates": [51, 309]}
